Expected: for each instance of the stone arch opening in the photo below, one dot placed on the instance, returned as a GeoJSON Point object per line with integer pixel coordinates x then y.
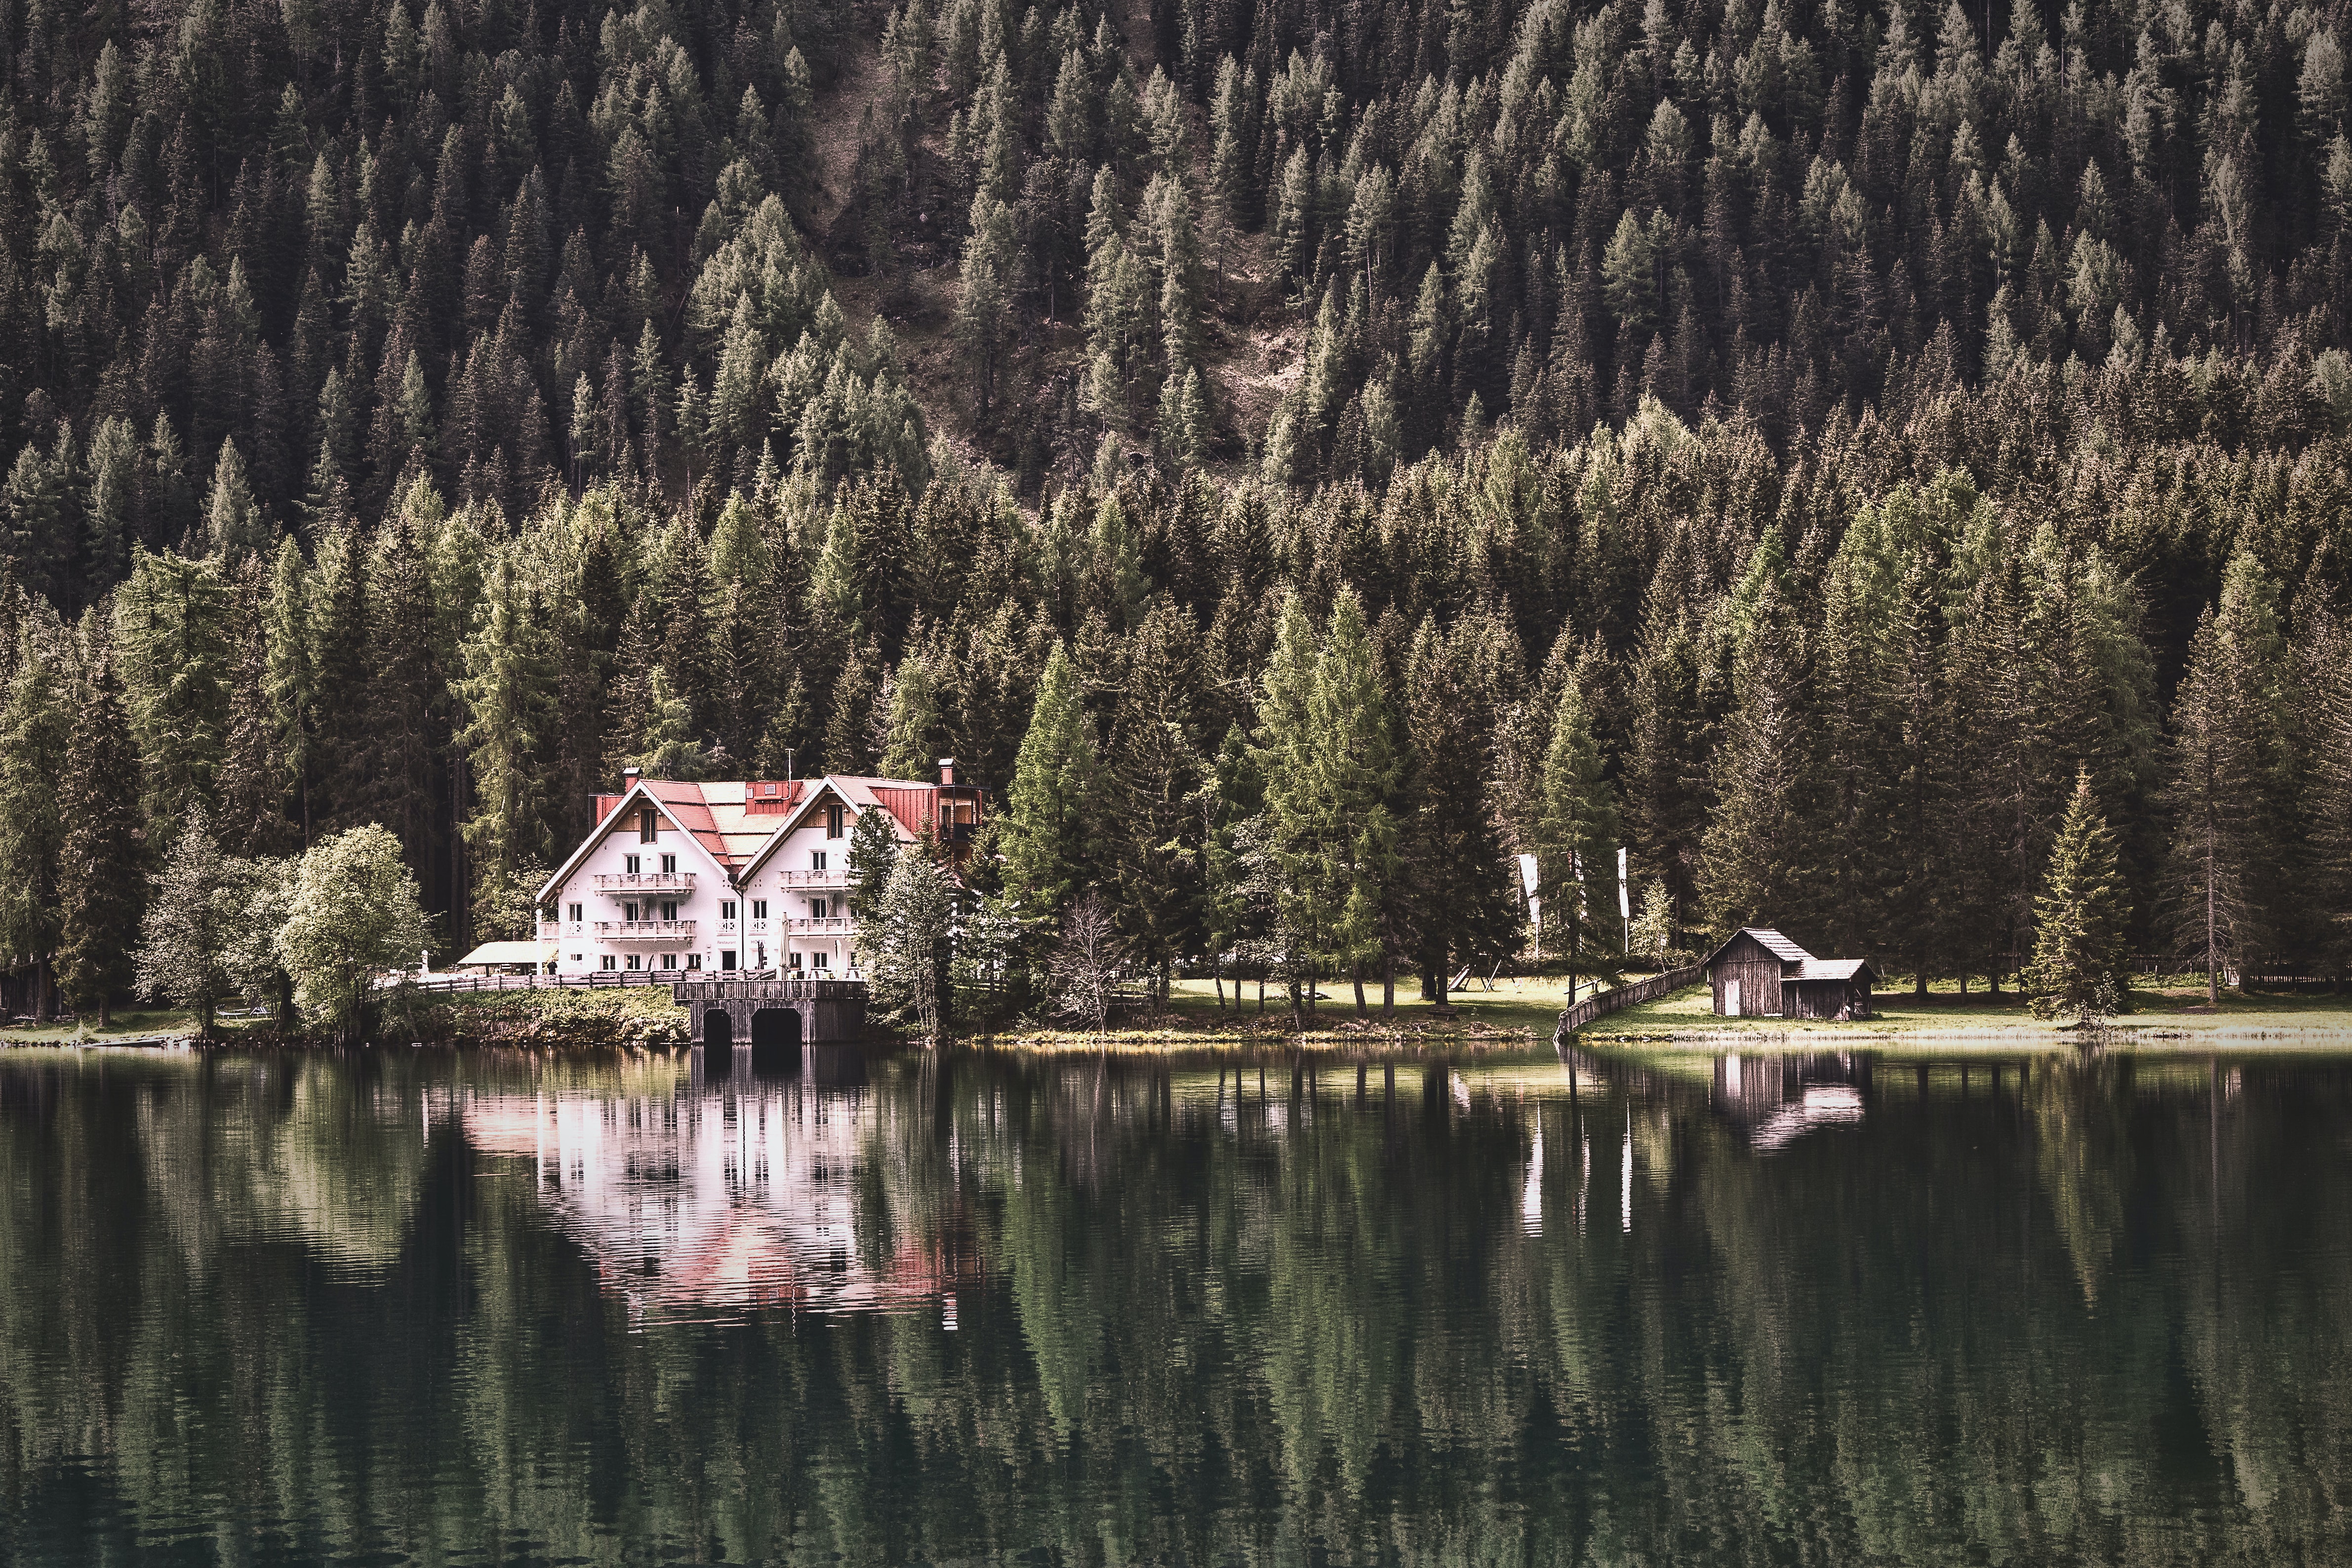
{"type": "Point", "coordinates": [718, 1039]}
{"type": "Point", "coordinates": [776, 1040]}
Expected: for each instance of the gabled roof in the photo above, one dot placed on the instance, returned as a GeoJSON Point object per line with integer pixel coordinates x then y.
{"type": "Point", "coordinates": [1771, 940]}
{"type": "Point", "coordinates": [906, 802]}
{"type": "Point", "coordinates": [714, 825]}
{"type": "Point", "coordinates": [738, 823]}
{"type": "Point", "coordinates": [1834, 969]}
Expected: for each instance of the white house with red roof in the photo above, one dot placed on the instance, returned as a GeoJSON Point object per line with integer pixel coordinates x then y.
{"type": "Point", "coordinates": [747, 876]}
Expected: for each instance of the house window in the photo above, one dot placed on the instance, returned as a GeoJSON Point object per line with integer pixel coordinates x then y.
{"type": "Point", "coordinates": [670, 909]}
{"type": "Point", "coordinates": [630, 865]}
{"type": "Point", "coordinates": [636, 960]}
{"type": "Point", "coordinates": [629, 912]}
{"type": "Point", "coordinates": [816, 859]}
{"type": "Point", "coordinates": [669, 961]}
{"type": "Point", "coordinates": [669, 863]}
{"type": "Point", "coordinates": [726, 958]}
{"type": "Point", "coordinates": [792, 961]}
{"type": "Point", "coordinates": [833, 815]}
{"type": "Point", "coordinates": [817, 908]}
{"type": "Point", "coordinates": [694, 960]}
{"type": "Point", "coordinates": [648, 826]}
{"type": "Point", "coordinates": [819, 961]}
{"type": "Point", "coordinates": [759, 908]}
{"type": "Point", "coordinates": [767, 789]}
{"type": "Point", "coordinates": [611, 963]}
{"type": "Point", "coordinates": [576, 914]}
{"type": "Point", "coordinates": [727, 912]}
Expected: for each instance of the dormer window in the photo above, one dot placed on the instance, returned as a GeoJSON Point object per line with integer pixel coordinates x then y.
{"type": "Point", "coordinates": [648, 825]}
{"type": "Point", "coordinates": [833, 817]}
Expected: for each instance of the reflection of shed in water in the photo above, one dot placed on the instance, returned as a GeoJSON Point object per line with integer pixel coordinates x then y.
{"type": "Point", "coordinates": [1774, 1101]}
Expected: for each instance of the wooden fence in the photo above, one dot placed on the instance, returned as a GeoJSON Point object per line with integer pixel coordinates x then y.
{"type": "Point", "coordinates": [598, 980]}
{"type": "Point", "coordinates": [1633, 996]}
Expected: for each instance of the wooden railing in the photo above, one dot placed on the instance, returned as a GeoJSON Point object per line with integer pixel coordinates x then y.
{"type": "Point", "coordinates": [1622, 996]}
{"type": "Point", "coordinates": [595, 980]}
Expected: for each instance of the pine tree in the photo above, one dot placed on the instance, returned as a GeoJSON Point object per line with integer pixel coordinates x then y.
{"type": "Point", "coordinates": [1050, 812]}
{"type": "Point", "coordinates": [1460, 908]}
{"type": "Point", "coordinates": [1154, 774]}
{"type": "Point", "coordinates": [2221, 793]}
{"type": "Point", "coordinates": [2079, 956]}
{"type": "Point", "coordinates": [667, 744]}
{"type": "Point", "coordinates": [915, 725]}
{"type": "Point", "coordinates": [286, 680]}
{"type": "Point", "coordinates": [904, 942]}
{"type": "Point", "coordinates": [112, 521]}
{"type": "Point", "coordinates": [508, 696]}
{"type": "Point", "coordinates": [982, 305]}
{"type": "Point", "coordinates": [100, 875]}
{"type": "Point", "coordinates": [233, 522]}
{"type": "Point", "coordinates": [172, 624]}
{"type": "Point", "coordinates": [35, 734]}
{"type": "Point", "coordinates": [340, 670]}
{"type": "Point", "coordinates": [873, 853]}
{"type": "Point", "coordinates": [1755, 849]}
{"type": "Point", "coordinates": [1578, 836]}
{"type": "Point", "coordinates": [1332, 770]}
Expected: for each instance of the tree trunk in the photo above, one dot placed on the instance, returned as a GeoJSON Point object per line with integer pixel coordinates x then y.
{"type": "Point", "coordinates": [1357, 975]}
{"type": "Point", "coordinates": [1388, 988]}
{"type": "Point", "coordinates": [45, 999]}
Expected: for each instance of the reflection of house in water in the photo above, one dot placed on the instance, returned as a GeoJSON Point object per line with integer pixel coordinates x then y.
{"type": "Point", "coordinates": [1774, 1101]}
{"type": "Point", "coordinates": [715, 1200]}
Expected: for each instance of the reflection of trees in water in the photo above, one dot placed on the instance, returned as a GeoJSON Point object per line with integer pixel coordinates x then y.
{"type": "Point", "coordinates": [2082, 1153]}
{"type": "Point", "coordinates": [1215, 1325]}
{"type": "Point", "coordinates": [320, 1151]}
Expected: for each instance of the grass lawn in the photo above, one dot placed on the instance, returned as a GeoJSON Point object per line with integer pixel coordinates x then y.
{"type": "Point", "coordinates": [1514, 1014]}
{"type": "Point", "coordinates": [2166, 1008]}
{"type": "Point", "coordinates": [129, 1028]}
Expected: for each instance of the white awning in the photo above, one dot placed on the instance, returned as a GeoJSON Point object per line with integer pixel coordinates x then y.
{"type": "Point", "coordinates": [498, 953]}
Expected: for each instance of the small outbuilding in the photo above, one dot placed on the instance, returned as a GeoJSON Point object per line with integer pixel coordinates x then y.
{"type": "Point", "coordinates": [1760, 974]}
{"type": "Point", "coordinates": [509, 958]}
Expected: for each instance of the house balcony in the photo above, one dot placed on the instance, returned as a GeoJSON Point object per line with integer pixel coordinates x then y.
{"type": "Point", "coordinates": [832, 925]}
{"type": "Point", "coordinates": [677, 884]}
{"type": "Point", "coordinates": [815, 878]}
{"type": "Point", "coordinates": [645, 931]}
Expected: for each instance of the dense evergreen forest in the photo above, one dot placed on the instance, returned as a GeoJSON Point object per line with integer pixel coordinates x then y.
{"type": "Point", "coordinates": [1297, 455]}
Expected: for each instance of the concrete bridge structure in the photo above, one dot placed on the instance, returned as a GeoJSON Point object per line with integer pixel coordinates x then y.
{"type": "Point", "coordinates": [778, 1015]}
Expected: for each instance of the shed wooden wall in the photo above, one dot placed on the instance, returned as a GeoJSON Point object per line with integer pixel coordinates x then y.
{"type": "Point", "coordinates": [1827, 998]}
{"type": "Point", "coordinates": [1758, 970]}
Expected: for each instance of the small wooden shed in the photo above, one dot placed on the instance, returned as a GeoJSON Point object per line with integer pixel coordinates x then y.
{"type": "Point", "coordinates": [1760, 974]}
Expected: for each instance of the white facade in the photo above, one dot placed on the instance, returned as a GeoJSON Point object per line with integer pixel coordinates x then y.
{"type": "Point", "coordinates": [748, 876]}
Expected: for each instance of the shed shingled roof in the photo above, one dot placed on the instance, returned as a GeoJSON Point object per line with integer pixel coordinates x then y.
{"type": "Point", "coordinates": [1771, 940]}
{"type": "Point", "coordinates": [1834, 969]}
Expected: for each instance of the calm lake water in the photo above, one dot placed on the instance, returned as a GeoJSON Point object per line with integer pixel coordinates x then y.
{"type": "Point", "coordinates": [484, 1307]}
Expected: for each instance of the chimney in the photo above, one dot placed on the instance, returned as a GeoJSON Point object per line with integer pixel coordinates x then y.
{"type": "Point", "coordinates": [947, 769]}
{"type": "Point", "coordinates": [629, 778]}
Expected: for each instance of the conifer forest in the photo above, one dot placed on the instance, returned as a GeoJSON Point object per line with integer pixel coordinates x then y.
{"type": "Point", "coordinates": [1295, 456]}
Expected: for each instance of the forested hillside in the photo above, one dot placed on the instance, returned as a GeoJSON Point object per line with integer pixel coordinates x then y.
{"type": "Point", "coordinates": [1298, 456]}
